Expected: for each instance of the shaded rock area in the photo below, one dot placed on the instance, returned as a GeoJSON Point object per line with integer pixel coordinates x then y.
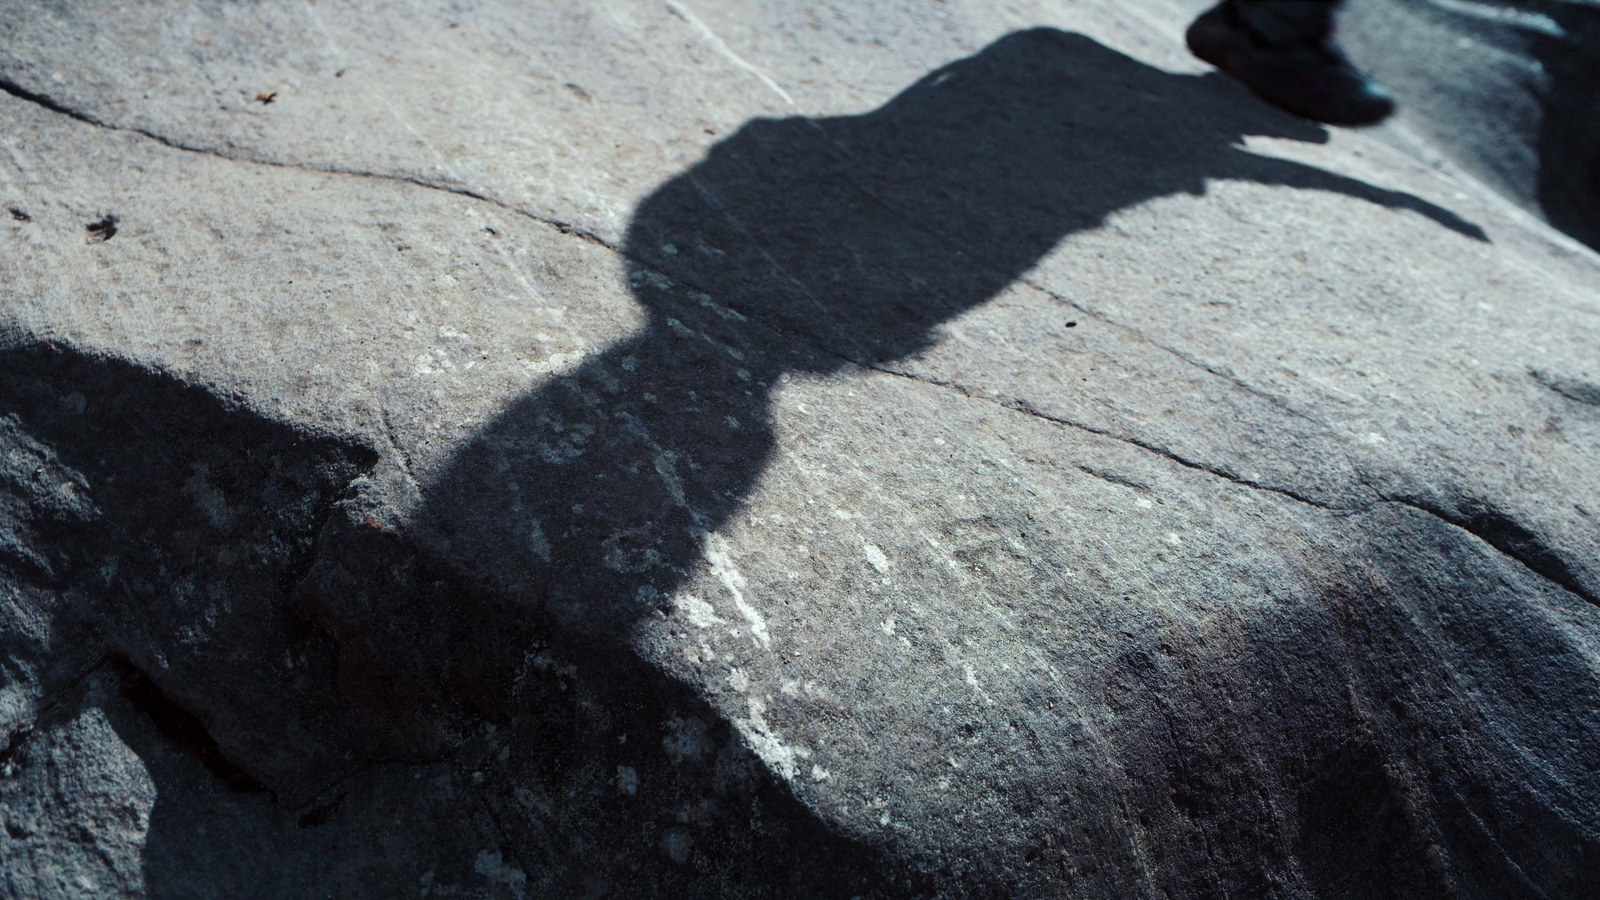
{"type": "Point", "coordinates": [771, 450]}
{"type": "Point", "coordinates": [173, 596]}
{"type": "Point", "coordinates": [1509, 89]}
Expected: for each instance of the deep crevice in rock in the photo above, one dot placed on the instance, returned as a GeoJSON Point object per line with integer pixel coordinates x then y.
{"type": "Point", "coordinates": [181, 726]}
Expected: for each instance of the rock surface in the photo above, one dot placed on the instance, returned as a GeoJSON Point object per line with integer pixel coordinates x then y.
{"type": "Point", "coordinates": [707, 449]}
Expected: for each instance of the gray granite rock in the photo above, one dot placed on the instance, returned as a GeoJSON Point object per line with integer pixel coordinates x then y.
{"type": "Point", "coordinates": [701, 449]}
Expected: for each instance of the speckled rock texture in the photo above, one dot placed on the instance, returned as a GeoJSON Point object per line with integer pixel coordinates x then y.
{"type": "Point", "coordinates": [768, 449]}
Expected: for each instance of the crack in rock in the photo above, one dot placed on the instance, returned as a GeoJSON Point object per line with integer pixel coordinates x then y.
{"type": "Point", "coordinates": [1504, 533]}
{"type": "Point", "coordinates": [1574, 389]}
{"type": "Point", "coordinates": [1025, 408]}
{"type": "Point", "coordinates": [181, 726]}
{"type": "Point", "coordinates": [46, 102]}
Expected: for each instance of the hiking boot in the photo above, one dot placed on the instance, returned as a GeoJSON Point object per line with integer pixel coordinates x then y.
{"type": "Point", "coordinates": [1307, 75]}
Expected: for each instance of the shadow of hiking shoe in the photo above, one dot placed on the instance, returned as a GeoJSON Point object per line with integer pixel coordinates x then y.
{"type": "Point", "coordinates": [1310, 78]}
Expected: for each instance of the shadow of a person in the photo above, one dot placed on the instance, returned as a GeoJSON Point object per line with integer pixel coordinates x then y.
{"type": "Point", "coordinates": [798, 246]}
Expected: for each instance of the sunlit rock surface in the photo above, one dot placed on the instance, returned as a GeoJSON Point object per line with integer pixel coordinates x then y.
{"type": "Point", "coordinates": [768, 450]}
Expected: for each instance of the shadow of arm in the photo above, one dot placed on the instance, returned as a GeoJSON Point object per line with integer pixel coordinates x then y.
{"type": "Point", "coordinates": [1267, 170]}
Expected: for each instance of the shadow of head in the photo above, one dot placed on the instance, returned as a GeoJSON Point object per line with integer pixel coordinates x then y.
{"type": "Point", "coordinates": [866, 231]}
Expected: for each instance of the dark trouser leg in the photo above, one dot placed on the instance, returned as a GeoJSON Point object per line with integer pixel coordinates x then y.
{"type": "Point", "coordinates": [1284, 22]}
{"type": "Point", "coordinates": [1284, 51]}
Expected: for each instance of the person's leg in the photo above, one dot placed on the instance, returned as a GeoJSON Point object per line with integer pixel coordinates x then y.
{"type": "Point", "coordinates": [1285, 52]}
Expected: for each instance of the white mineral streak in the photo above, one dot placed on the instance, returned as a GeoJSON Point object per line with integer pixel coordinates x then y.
{"type": "Point", "coordinates": [683, 13]}
{"type": "Point", "coordinates": [721, 560]}
{"type": "Point", "coordinates": [779, 756]}
{"type": "Point", "coordinates": [877, 557]}
{"type": "Point", "coordinates": [699, 613]}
